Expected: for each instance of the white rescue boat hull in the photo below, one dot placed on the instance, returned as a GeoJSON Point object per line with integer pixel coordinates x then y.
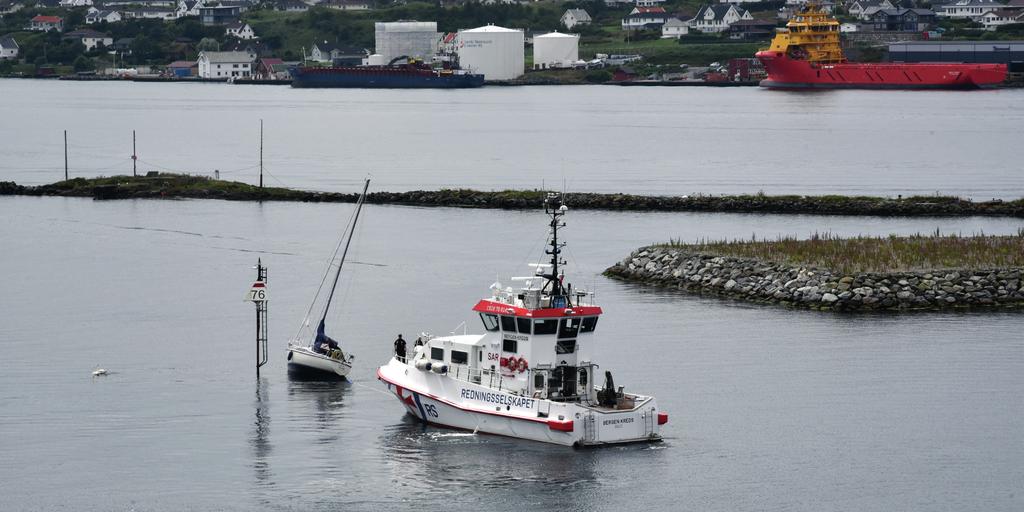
{"type": "Point", "coordinates": [449, 402]}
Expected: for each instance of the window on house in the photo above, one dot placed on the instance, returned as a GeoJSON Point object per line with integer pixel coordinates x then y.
{"type": "Point", "coordinates": [437, 353]}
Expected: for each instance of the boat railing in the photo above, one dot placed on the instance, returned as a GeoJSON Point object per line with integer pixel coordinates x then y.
{"type": "Point", "coordinates": [483, 376]}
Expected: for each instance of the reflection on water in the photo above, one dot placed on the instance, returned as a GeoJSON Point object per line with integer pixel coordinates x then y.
{"type": "Point", "coordinates": [261, 447]}
{"type": "Point", "coordinates": [326, 398]}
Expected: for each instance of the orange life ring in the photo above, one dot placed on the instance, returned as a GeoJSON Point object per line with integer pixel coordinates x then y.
{"type": "Point", "coordinates": [523, 365]}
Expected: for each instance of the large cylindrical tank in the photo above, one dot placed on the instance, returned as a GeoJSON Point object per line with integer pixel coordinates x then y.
{"type": "Point", "coordinates": [555, 50]}
{"type": "Point", "coordinates": [495, 52]}
{"type": "Point", "coordinates": [415, 39]}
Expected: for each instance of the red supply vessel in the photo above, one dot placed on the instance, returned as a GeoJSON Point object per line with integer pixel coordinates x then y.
{"type": "Point", "coordinates": [807, 55]}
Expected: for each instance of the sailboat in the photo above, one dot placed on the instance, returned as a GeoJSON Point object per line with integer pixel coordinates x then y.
{"type": "Point", "coordinates": [322, 356]}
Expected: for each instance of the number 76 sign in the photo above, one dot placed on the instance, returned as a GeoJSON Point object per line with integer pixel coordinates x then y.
{"type": "Point", "coordinates": [258, 292]}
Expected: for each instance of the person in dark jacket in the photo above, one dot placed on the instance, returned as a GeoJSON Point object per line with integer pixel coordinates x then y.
{"type": "Point", "coordinates": [400, 348]}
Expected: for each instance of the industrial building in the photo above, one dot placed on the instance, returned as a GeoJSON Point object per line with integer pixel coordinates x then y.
{"type": "Point", "coordinates": [995, 52]}
{"type": "Point", "coordinates": [555, 50]}
{"type": "Point", "coordinates": [417, 39]}
{"type": "Point", "coordinates": [495, 52]}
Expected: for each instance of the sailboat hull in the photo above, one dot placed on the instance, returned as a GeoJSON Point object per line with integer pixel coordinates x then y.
{"type": "Point", "coordinates": [305, 361]}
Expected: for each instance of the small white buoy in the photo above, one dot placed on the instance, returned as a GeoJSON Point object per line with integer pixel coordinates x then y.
{"type": "Point", "coordinates": [99, 371]}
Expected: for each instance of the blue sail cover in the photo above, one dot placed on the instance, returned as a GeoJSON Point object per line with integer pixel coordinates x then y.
{"type": "Point", "coordinates": [320, 337]}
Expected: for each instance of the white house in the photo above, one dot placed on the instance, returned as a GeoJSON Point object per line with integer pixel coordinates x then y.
{"type": "Point", "coordinates": [225, 64]}
{"type": "Point", "coordinates": [573, 17]}
{"type": "Point", "coordinates": [90, 38]}
{"type": "Point", "coordinates": [97, 16]}
{"type": "Point", "coordinates": [346, 5]}
{"type": "Point", "coordinates": [674, 27]}
{"type": "Point", "coordinates": [240, 30]}
{"type": "Point", "coordinates": [739, 1]}
{"type": "Point", "coordinates": [993, 19]}
{"type": "Point", "coordinates": [649, 3]}
{"type": "Point", "coordinates": [857, 8]}
{"type": "Point", "coordinates": [292, 6]}
{"type": "Point", "coordinates": [718, 18]}
{"type": "Point", "coordinates": [44, 23]}
{"type": "Point", "coordinates": [75, 3]}
{"type": "Point", "coordinates": [8, 48]}
{"type": "Point", "coordinates": [967, 8]}
{"type": "Point", "coordinates": [157, 13]}
{"type": "Point", "coordinates": [188, 8]}
{"type": "Point", "coordinates": [645, 18]}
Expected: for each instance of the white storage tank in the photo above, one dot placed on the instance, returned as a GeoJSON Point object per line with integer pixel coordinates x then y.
{"type": "Point", "coordinates": [416, 39]}
{"type": "Point", "coordinates": [493, 51]}
{"type": "Point", "coordinates": [555, 50]}
{"type": "Point", "coordinates": [376, 60]}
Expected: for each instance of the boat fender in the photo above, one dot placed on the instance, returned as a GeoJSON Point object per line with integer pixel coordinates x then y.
{"type": "Point", "coordinates": [440, 368]}
{"type": "Point", "coordinates": [523, 365]}
{"type": "Point", "coordinates": [422, 364]}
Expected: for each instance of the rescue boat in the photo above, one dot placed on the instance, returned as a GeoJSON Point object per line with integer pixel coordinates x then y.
{"type": "Point", "coordinates": [531, 374]}
{"type": "Point", "coordinates": [807, 55]}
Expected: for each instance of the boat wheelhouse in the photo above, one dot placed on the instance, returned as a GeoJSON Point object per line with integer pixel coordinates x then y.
{"type": "Point", "coordinates": [532, 373]}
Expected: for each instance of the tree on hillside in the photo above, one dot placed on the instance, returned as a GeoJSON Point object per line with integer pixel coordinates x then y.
{"type": "Point", "coordinates": [208, 44]}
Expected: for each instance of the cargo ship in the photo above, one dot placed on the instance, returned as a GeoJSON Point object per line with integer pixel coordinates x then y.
{"type": "Point", "coordinates": [408, 75]}
{"type": "Point", "coordinates": [807, 55]}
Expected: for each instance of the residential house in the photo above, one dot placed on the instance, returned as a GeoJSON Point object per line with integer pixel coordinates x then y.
{"type": "Point", "coordinates": [219, 15]}
{"type": "Point", "coordinates": [718, 18]}
{"type": "Point", "coordinates": [271, 69]}
{"type": "Point", "coordinates": [751, 29]}
{"type": "Point", "coordinates": [224, 65]}
{"type": "Point", "coordinates": [337, 55]}
{"type": "Point", "coordinates": [846, 28]}
{"type": "Point", "coordinates": [292, 6]}
{"type": "Point", "coordinates": [573, 17]}
{"type": "Point", "coordinates": [149, 13]}
{"type": "Point", "coordinates": [739, 1]}
{"type": "Point", "coordinates": [857, 8]}
{"type": "Point", "coordinates": [623, 74]}
{"type": "Point", "coordinates": [968, 9]}
{"type": "Point", "coordinates": [97, 16]}
{"type": "Point", "coordinates": [44, 23]}
{"type": "Point", "coordinates": [649, 3]}
{"type": "Point", "coordinates": [189, 8]}
{"type": "Point", "coordinates": [75, 3]}
{"type": "Point", "coordinates": [183, 68]}
{"type": "Point", "coordinates": [346, 5]}
{"type": "Point", "coordinates": [901, 20]}
{"type": "Point", "coordinates": [645, 18]}
{"type": "Point", "coordinates": [141, 3]}
{"type": "Point", "coordinates": [8, 48]}
{"type": "Point", "coordinates": [674, 28]}
{"type": "Point", "coordinates": [994, 19]}
{"type": "Point", "coordinates": [240, 30]}
{"type": "Point", "coordinates": [90, 38]}
{"type": "Point", "coordinates": [617, 3]}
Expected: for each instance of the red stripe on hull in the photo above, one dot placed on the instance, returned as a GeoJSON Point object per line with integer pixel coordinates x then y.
{"type": "Point", "coordinates": [787, 73]}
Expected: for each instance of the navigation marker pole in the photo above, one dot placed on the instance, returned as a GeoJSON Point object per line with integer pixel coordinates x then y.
{"type": "Point", "coordinates": [135, 157]}
{"type": "Point", "coordinates": [65, 155]}
{"type": "Point", "coordinates": [261, 154]}
{"type": "Point", "coordinates": [258, 295]}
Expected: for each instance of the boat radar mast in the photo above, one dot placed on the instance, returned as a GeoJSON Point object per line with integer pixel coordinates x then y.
{"type": "Point", "coordinates": [554, 207]}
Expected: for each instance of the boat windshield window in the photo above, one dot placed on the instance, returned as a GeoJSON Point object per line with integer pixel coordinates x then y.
{"type": "Point", "coordinates": [545, 326]}
{"type": "Point", "coordinates": [569, 328]}
{"type": "Point", "coordinates": [524, 325]}
{"type": "Point", "coordinates": [589, 324]}
{"type": "Point", "coordinates": [437, 353]}
{"type": "Point", "coordinates": [459, 357]}
{"type": "Point", "coordinates": [510, 346]}
{"type": "Point", "coordinates": [508, 323]}
{"type": "Point", "coordinates": [565, 346]}
{"type": "Point", "coordinates": [490, 321]}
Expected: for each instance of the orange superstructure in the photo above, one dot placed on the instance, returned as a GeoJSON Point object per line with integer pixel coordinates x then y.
{"type": "Point", "coordinates": [807, 55]}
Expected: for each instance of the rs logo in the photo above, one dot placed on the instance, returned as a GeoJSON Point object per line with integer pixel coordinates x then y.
{"type": "Point", "coordinates": [431, 410]}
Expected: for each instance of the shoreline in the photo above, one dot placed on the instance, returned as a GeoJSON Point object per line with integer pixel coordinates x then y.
{"type": "Point", "coordinates": [813, 288]}
{"type": "Point", "coordinates": [179, 186]}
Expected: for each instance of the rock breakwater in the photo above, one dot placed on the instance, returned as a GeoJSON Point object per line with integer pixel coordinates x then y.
{"type": "Point", "coordinates": [169, 186]}
{"type": "Point", "coordinates": [818, 288]}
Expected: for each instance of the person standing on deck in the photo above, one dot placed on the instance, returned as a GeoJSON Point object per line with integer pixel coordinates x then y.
{"type": "Point", "coordinates": [400, 348]}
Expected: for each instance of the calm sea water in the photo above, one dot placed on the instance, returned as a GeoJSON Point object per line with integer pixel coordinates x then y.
{"type": "Point", "coordinates": [600, 139]}
{"type": "Point", "coordinates": [770, 409]}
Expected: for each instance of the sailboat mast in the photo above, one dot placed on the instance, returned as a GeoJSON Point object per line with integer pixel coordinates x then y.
{"type": "Point", "coordinates": [351, 231]}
